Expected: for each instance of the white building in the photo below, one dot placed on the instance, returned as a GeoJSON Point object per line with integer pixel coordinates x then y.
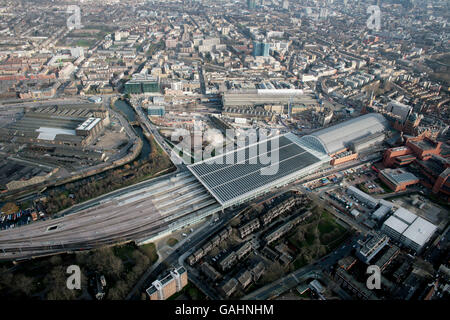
{"type": "Point", "coordinates": [409, 229]}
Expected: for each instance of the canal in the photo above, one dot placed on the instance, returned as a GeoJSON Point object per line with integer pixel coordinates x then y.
{"type": "Point", "coordinates": [130, 115]}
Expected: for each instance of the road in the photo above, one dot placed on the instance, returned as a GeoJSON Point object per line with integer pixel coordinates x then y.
{"type": "Point", "coordinates": [181, 252]}
{"type": "Point", "coordinates": [292, 280]}
{"type": "Point", "coordinates": [194, 241]}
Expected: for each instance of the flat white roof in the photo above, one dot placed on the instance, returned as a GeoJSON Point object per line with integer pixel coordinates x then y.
{"type": "Point", "coordinates": [88, 124]}
{"type": "Point", "coordinates": [420, 231]}
{"type": "Point", "coordinates": [405, 215]}
{"type": "Point", "coordinates": [46, 133]}
{"type": "Point", "coordinates": [396, 224]}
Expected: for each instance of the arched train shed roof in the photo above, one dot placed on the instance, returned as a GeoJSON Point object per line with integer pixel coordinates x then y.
{"type": "Point", "coordinates": [338, 137]}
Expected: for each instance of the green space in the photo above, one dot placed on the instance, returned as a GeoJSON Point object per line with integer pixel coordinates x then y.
{"type": "Point", "coordinates": [155, 47]}
{"type": "Point", "coordinates": [318, 236]}
{"type": "Point", "coordinates": [189, 292]}
{"type": "Point", "coordinates": [87, 43]}
{"type": "Point", "coordinates": [361, 187]}
{"type": "Point", "coordinates": [45, 278]}
{"type": "Point", "coordinates": [172, 242]}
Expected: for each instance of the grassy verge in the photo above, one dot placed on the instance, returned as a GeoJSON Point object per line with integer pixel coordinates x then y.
{"type": "Point", "coordinates": [190, 291]}
{"type": "Point", "coordinates": [172, 242]}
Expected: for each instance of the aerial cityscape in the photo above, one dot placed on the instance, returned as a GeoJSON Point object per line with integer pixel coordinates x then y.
{"type": "Point", "coordinates": [199, 150]}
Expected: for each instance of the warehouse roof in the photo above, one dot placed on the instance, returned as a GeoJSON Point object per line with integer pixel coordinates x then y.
{"type": "Point", "coordinates": [46, 133]}
{"type": "Point", "coordinates": [89, 124]}
{"type": "Point", "coordinates": [396, 224]}
{"type": "Point", "coordinates": [405, 215]}
{"type": "Point", "coordinates": [420, 231]}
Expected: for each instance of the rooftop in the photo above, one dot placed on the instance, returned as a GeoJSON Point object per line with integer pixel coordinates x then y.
{"type": "Point", "coordinates": [396, 224]}
{"type": "Point", "coordinates": [398, 176]}
{"type": "Point", "coordinates": [405, 215]}
{"type": "Point", "coordinates": [337, 137]}
{"type": "Point", "coordinates": [420, 231]}
{"type": "Point", "coordinates": [239, 174]}
{"type": "Point", "coordinates": [89, 124]}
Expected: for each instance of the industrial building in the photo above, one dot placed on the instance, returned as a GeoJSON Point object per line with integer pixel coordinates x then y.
{"type": "Point", "coordinates": [368, 200]}
{"type": "Point", "coordinates": [268, 97]}
{"type": "Point", "coordinates": [172, 283]}
{"type": "Point", "coordinates": [409, 229]}
{"type": "Point", "coordinates": [384, 208]}
{"type": "Point", "coordinates": [68, 125]}
{"type": "Point", "coordinates": [90, 126]}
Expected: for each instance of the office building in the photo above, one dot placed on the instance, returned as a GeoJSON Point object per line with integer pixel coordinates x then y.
{"type": "Point", "coordinates": [142, 83]}
{"type": "Point", "coordinates": [156, 110]}
{"type": "Point", "coordinates": [172, 283]}
{"type": "Point", "coordinates": [260, 49]}
{"type": "Point", "coordinates": [251, 4]}
{"type": "Point", "coordinates": [397, 179]}
{"type": "Point", "coordinates": [371, 246]}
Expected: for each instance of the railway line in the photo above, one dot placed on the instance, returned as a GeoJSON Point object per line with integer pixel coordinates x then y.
{"type": "Point", "coordinates": [133, 216]}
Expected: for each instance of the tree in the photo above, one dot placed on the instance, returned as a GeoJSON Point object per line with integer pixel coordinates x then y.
{"type": "Point", "coordinates": [23, 284]}
{"type": "Point", "coordinates": [56, 260]}
{"type": "Point", "coordinates": [56, 282]}
{"type": "Point", "coordinates": [104, 261]}
{"type": "Point", "coordinates": [140, 259]}
{"type": "Point", "coordinates": [119, 291]}
{"type": "Point", "coordinates": [6, 279]}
